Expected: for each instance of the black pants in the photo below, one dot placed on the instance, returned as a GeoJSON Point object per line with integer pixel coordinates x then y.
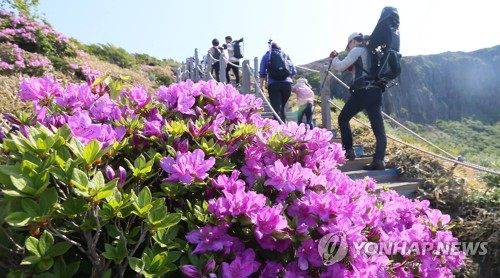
{"type": "Point", "coordinates": [236, 71]}
{"type": "Point", "coordinates": [371, 100]}
{"type": "Point", "coordinates": [216, 68]}
{"type": "Point", "coordinates": [306, 109]}
{"type": "Point", "coordinates": [279, 93]}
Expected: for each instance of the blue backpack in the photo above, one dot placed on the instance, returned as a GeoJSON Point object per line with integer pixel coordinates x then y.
{"type": "Point", "coordinates": [280, 66]}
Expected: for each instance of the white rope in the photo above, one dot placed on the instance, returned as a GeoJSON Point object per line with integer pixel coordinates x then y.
{"type": "Point", "coordinates": [470, 165]}
{"type": "Point", "coordinates": [264, 97]}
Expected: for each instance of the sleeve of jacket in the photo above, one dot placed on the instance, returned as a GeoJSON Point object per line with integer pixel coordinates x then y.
{"type": "Point", "coordinates": [342, 65]}
{"type": "Point", "coordinates": [263, 65]}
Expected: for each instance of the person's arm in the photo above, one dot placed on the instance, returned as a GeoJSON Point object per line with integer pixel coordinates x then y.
{"type": "Point", "coordinates": [342, 65]}
{"type": "Point", "coordinates": [263, 69]}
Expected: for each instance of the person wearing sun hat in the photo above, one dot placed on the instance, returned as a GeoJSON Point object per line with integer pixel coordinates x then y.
{"type": "Point", "coordinates": [365, 95]}
{"type": "Point", "coordinates": [305, 100]}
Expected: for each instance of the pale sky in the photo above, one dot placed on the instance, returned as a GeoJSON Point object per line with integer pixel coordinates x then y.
{"type": "Point", "coordinates": [306, 30]}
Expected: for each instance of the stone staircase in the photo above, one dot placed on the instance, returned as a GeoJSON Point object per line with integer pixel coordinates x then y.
{"type": "Point", "coordinates": [389, 178]}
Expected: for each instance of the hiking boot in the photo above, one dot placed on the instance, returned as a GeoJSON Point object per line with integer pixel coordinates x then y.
{"type": "Point", "coordinates": [350, 154]}
{"type": "Point", "coordinates": [375, 165]}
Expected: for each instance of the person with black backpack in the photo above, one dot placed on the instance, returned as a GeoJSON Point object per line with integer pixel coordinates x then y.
{"type": "Point", "coordinates": [364, 95]}
{"type": "Point", "coordinates": [215, 51]}
{"type": "Point", "coordinates": [234, 58]}
{"type": "Point", "coordinates": [277, 66]}
{"type": "Point", "coordinates": [375, 65]}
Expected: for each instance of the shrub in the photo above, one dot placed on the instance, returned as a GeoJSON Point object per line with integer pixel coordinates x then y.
{"type": "Point", "coordinates": [33, 43]}
{"type": "Point", "coordinates": [112, 54]}
{"type": "Point", "coordinates": [108, 180]}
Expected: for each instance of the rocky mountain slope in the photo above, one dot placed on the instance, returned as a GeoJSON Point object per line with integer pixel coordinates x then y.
{"type": "Point", "coordinates": [446, 86]}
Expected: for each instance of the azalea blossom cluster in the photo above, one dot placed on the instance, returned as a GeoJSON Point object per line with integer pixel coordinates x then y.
{"type": "Point", "coordinates": [264, 216]}
{"type": "Point", "coordinates": [20, 44]}
{"type": "Point", "coordinates": [23, 30]}
{"type": "Point", "coordinates": [14, 59]}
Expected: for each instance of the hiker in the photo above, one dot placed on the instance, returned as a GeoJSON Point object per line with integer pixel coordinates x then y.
{"type": "Point", "coordinates": [364, 95]}
{"type": "Point", "coordinates": [234, 62]}
{"type": "Point", "coordinates": [305, 100]}
{"type": "Point", "coordinates": [279, 69]}
{"type": "Point", "coordinates": [215, 51]}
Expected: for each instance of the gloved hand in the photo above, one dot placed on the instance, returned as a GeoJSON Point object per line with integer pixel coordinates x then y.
{"type": "Point", "coordinates": [334, 54]}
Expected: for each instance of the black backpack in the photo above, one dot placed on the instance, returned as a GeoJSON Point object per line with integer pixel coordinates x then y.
{"type": "Point", "coordinates": [279, 67]}
{"type": "Point", "coordinates": [384, 47]}
{"type": "Point", "coordinates": [238, 49]}
{"type": "Point", "coordinates": [217, 51]}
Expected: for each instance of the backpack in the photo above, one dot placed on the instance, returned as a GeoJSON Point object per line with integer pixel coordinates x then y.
{"type": "Point", "coordinates": [279, 67]}
{"type": "Point", "coordinates": [384, 48]}
{"type": "Point", "coordinates": [216, 52]}
{"type": "Point", "coordinates": [238, 49]}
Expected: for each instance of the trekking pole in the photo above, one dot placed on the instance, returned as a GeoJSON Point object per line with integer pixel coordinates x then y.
{"type": "Point", "coordinates": [326, 75]}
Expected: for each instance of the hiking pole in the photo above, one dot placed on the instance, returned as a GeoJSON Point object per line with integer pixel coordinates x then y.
{"type": "Point", "coordinates": [326, 75]}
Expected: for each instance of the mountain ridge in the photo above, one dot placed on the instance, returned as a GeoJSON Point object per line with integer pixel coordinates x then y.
{"type": "Point", "coordinates": [445, 86]}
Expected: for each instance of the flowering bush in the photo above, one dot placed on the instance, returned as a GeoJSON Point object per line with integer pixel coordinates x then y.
{"type": "Point", "coordinates": [26, 45]}
{"type": "Point", "coordinates": [14, 59]}
{"type": "Point", "coordinates": [106, 179]}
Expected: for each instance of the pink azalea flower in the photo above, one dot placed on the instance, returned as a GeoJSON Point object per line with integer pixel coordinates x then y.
{"type": "Point", "coordinates": [242, 266]}
{"type": "Point", "coordinates": [187, 166]}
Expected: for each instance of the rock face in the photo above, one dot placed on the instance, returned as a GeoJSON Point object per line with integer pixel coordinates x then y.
{"type": "Point", "coordinates": [447, 86]}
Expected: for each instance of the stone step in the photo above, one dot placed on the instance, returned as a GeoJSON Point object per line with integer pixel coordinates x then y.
{"type": "Point", "coordinates": [405, 187]}
{"type": "Point", "coordinates": [386, 175]}
{"type": "Point", "coordinates": [357, 164]}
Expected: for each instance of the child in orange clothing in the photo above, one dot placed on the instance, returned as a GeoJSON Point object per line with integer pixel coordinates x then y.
{"type": "Point", "coordinates": [305, 100]}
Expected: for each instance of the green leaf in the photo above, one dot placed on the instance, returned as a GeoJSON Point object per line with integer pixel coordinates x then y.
{"type": "Point", "coordinates": [47, 200]}
{"type": "Point", "coordinates": [44, 264]}
{"type": "Point", "coordinates": [32, 246]}
{"type": "Point", "coordinates": [144, 197]}
{"type": "Point", "coordinates": [31, 260]}
{"type": "Point", "coordinates": [31, 207]}
{"type": "Point", "coordinates": [22, 185]}
{"type": "Point", "coordinates": [91, 151]}
{"type": "Point", "coordinates": [45, 243]}
{"type": "Point", "coordinates": [173, 256]}
{"type": "Point", "coordinates": [157, 261]}
{"type": "Point", "coordinates": [80, 180]}
{"type": "Point", "coordinates": [59, 249]}
{"type": "Point", "coordinates": [100, 80]}
{"type": "Point", "coordinates": [18, 219]}
{"type": "Point", "coordinates": [76, 147]}
{"type": "Point", "coordinates": [135, 264]}
{"type": "Point", "coordinates": [170, 220]}
{"type": "Point", "coordinates": [74, 206]}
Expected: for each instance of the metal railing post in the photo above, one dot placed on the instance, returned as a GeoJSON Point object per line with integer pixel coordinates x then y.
{"type": "Point", "coordinates": [326, 115]}
{"type": "Point", "coordinates": [245, 88]}
{"type": "Point", "coordinates": [196, 69]}
{"type": "Point", "coordinates": [222, 68]}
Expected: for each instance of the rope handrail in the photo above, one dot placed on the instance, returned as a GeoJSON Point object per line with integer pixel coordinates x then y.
{"type": "Point", "coordinates": [470, 165]}
{"type": "Point", "coordinates": [398, 123]}
{"type": "Point", "coordinates": [264, 97]}
{"type": "Point", "coordinates": [452, 159]}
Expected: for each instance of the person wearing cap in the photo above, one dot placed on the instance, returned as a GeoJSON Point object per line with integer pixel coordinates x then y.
{"type": "Point", "coordinates": [305, 100]}
{"type": "Point", "coordinates": [364, 95]}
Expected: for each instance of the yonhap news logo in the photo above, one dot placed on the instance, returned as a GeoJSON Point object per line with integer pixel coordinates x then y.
{"type": "Point", "coordinates": [332, 248]}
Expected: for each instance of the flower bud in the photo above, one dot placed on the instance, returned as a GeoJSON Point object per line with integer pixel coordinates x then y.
{"type": "Point", "coordinates": [110, 173]}
{"type": "Point", "coordinates": [122, 175]}
{"type": "Point", "coordinates": [210, 266]}
{"type": "Point", "coordinates": [190, 271]}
